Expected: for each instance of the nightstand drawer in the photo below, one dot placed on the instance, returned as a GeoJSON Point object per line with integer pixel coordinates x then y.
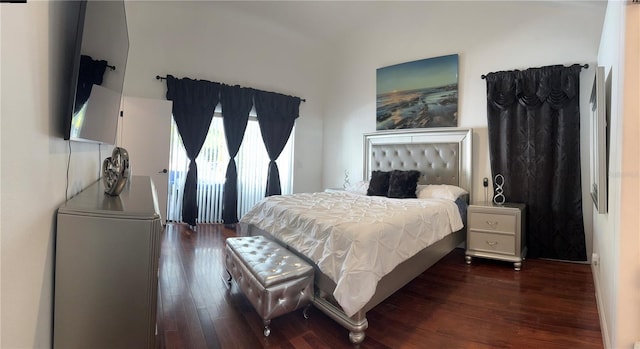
{"type": "Point", "coordinates": [495, 243]}
{"type": "Point", "coordinates": [492, 222]}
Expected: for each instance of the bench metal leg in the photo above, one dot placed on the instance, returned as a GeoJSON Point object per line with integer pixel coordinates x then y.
{"type": "Point", "coordinates": [305, 311]}
{"type": "Point", "coordinates": [229, 277]}
{"type": "Point", "coordinates": [267, 329]}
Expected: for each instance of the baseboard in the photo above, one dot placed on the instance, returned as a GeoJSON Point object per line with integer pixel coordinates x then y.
{"type": "Point", "coordinates": [606, 340]}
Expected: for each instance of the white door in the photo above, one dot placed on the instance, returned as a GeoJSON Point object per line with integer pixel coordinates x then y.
{"type": "Point", "coordinates": [145, 132]}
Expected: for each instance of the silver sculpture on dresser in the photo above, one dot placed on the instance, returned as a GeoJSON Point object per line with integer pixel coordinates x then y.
{"type": "Point", "coordinates": [115, 171]}
{"type": "Point", "coordinates": [498, 198]}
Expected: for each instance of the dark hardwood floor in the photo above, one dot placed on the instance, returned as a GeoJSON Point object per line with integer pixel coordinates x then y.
{"type": "Point", "coordinates": [452, 305]}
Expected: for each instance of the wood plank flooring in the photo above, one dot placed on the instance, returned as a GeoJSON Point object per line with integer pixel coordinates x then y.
{"type": "Point", "coordinates": [452, 305]}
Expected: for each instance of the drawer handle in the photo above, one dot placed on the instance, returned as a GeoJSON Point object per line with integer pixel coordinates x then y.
{"type": "Point", "coordinates": [492, 244]}
{"type": "Point", "coordinates": [492, 224]}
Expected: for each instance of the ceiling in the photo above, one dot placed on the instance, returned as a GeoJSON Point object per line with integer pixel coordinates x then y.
{"type": "Point", "coordinates": [317, 20]}
{"type": "Point", "coordinates": [322, 20]}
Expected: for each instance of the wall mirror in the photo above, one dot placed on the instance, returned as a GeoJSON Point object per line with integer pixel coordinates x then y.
{"type": "Point", "coordinates": [598, 142]}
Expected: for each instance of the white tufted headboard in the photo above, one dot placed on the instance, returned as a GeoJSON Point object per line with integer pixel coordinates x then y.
{"type": "Point", "coordinates": [442, 155]}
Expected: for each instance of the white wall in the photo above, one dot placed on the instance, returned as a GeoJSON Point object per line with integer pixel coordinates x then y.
{"type": "Point", "coordinates": [605, 236]}
{"type": "Point", "coordinates": [34, 56]}
{"type": "Point", "coordinates": [627, 330]}
{"type": "Point", "coordinates": [207, 40]}
{"type": "Point", "coordinates": [616, 232]}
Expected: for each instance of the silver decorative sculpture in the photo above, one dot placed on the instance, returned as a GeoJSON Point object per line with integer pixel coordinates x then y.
{"type": "Point", "coordinates": [498, 198]}
{"type": "Point", "coordinates": [346, 183]}
{"type": "Point", "coordinates": [115, 171]}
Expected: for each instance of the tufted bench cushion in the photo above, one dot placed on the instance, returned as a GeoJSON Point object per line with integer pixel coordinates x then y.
{"type": "Point", "coordinates": [272, 278]}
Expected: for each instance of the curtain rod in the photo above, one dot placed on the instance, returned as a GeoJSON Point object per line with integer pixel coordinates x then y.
{"type": "Point", "coordinates": [158, 77]}
{"type": "Point", "coordinates": [584, 66]}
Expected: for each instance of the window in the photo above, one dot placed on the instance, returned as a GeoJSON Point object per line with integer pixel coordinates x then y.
{"type": "Point", "coordinates": [252, 164]}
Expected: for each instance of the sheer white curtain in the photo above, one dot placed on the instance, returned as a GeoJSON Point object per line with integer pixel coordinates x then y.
{"type": "Point", "coordinates": [252, 163]}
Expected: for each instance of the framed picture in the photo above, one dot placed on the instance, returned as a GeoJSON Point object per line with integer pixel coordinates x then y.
{"type": "Point", "coordinates": [598, 142]}
{"type": "Point", "coordinates": [418, 94]}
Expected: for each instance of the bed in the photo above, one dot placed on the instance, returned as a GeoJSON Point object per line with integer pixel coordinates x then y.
{"type": "Point", "coordinates": [443, 157]}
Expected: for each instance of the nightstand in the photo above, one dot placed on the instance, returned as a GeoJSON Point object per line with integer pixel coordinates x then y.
{"type": "Point", "coordinates": [496, 232]}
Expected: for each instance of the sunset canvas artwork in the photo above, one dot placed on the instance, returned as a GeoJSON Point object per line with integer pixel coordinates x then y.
{"type": "Point", "coordinates": [418, 94]}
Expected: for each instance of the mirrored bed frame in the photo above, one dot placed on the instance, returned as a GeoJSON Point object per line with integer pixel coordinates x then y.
{"type": "Point", "coordinates": [443, 156]}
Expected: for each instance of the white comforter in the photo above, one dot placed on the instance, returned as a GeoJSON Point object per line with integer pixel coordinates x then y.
{"type": "Point", "coordinates": [355, 239]}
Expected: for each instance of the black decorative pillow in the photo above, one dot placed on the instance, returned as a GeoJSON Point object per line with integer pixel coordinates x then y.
{"type": "Point", "coordinates": [402, 184]}
{"type": "Point", "coordinates": [379, 183]}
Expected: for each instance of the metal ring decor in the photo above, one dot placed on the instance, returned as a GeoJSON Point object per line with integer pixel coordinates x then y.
{"type": "Point", "coordinates": [499, 198]}
{"type": "Point", "coordinates": [115, 171]}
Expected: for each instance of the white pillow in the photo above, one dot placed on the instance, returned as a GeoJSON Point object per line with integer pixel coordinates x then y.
{"type": "Point", "coordinates": [439, 191]}
{"type": "Point", "coordinates": [359, 187]}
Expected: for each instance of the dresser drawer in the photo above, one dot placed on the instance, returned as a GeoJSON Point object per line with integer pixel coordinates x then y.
{"type": "Point", "coordinates": [492, 222]}
{"type": "Point", "coordinates": [494, 243]}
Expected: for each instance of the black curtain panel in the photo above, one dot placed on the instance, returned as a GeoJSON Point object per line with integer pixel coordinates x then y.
{"type": "Point", "coordinates": [534, 142]}
{"type": "Point", "coordinates": [236, 103]}
{"type": "Point", "coordinates": [194, 102]}
{"type": "Point", "coordinates": [276, 116]}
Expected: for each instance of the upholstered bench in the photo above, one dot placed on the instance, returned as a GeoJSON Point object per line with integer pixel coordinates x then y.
{"type": "Point", "coordinates": [274, 280]}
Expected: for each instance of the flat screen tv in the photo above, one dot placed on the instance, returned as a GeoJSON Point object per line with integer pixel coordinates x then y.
{"type": "Point", "coordinates": [99, 61]}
